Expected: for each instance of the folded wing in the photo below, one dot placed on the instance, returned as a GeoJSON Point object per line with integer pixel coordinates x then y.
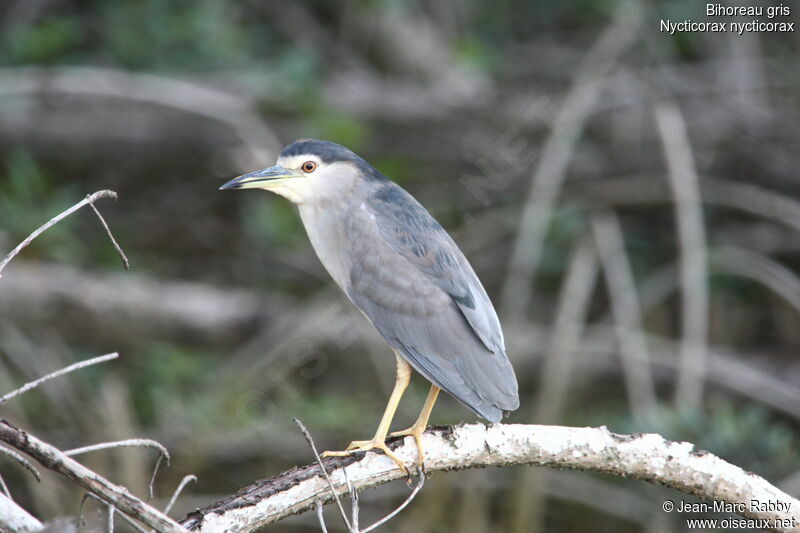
{"type": "Point", "coordinates": [417, 288]}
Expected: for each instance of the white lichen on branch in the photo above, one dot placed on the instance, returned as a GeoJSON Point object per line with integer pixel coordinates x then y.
{"type": "Point", "coordinates": [647, 456]}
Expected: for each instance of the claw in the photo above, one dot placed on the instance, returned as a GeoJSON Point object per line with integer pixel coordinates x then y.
{"type": "Point", "coordinates": [367, 445]}
{"type": "Point", "coordinates": [416, 432]}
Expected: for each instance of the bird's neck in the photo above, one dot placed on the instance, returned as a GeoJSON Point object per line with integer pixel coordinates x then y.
{"type": "Point", "coordinates": [330, 227]}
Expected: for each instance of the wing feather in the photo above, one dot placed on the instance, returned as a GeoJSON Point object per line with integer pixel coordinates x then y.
{"type": "Point", "coordinates": [412, 281]}
{"type": "Point", "coordinates": [414, 234]}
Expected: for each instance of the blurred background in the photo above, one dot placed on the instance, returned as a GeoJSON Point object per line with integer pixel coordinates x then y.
{"type": "Point", "coordinates": [629, 198]}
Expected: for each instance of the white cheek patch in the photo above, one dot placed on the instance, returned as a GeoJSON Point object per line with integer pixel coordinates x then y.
{"type": "Point", "coordinates": [287, 193]}
{"type": "Point", "coordinates": [295, 190]}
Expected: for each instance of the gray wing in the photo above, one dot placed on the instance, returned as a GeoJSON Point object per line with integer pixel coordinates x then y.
{"type": "Point", "coordinates": [417, 288]}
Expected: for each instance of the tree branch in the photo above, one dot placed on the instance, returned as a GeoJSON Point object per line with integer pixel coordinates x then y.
{"type": "Point", "coordinates": [119, 497]}
{"type": "Point", "coordinates": [90, 199]}
{"type": "Point", "coordinates": [643, 456]}
{"type": "Point", "coordinates": [15, 519]}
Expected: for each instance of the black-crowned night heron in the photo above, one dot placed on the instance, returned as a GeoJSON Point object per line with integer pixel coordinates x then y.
{"type": "Point", "coordinates": [405, 273]}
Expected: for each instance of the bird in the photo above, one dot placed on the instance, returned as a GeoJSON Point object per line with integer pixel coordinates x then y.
{"type": "Point", "coordinates": [405, 273]}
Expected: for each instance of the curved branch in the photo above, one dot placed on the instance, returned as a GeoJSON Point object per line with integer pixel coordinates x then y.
{"type": "Point", "coordinates": [90, 199]}
{"type": "Point", "coordinates": [15, 519]}
{"type": "Point", "coordinates": [643, 456]}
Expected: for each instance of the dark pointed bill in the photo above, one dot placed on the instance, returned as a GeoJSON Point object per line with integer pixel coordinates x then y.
{"type": "Point", "coordinates": [261, 179]}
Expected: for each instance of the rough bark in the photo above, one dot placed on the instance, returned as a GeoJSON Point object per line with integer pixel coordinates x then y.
{"type": "Point", "coordinates": [644, 456]}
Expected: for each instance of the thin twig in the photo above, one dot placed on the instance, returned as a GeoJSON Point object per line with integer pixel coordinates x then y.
{"type": "Point", "coordinates": [320, 516]}
{"type": "Point", "coordinates": [125, 263]}
{"type": "Point", "coordinates": [146, 443]}
{"type": "Point", "coordinates": [185, 481]}
{"type": "Point", "coordinates": [354, 510]}
{"type": "Point", "coordinates": [21, 460]}
{"type": "Point", "coordinates": [310, 441]}
{"type": "Point", "coordinates": [90, 199]}
{"type": "Point", "coordinates": [58, 373]}
{"type": "Point", "coordinates": [153, 477]}
{"type": "Point", "coordinates": [86, 496]}
{"type": "Point", "coordinates": [5, 488]}
{"type": "Point", "coordinates": [111, 512]}
{"type": "Point", "coordinates": [402, 506]}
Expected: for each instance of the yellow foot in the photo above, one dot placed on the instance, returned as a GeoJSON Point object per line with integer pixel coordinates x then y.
{"type": "Point", "coordinates": [416, 432]}
{"type": "Point", "coordinates": [367, 445]}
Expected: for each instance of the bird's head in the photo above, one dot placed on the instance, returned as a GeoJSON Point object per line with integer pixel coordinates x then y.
{"type": "Point", "coordinates": [309, 170]}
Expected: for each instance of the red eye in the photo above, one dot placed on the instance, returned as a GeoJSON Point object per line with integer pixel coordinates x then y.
{"type": "Point", "coordinates": [309, 166]}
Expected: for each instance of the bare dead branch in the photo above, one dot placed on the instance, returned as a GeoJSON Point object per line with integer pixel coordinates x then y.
{"type": "Point", "coordinates": [310, 441]}
{"type": "Point", "coordinates": [417, 488]}
{"type": "Point", "coordinates": [125, 263]}
{"type": "Point", "coordinates": [185, 481]}
{"type": "Point", "coordinates": [89, 496]}
{"type": "Point", "coordinates": [54, 459]}
{"type": "Point", "coordinates": [354, 504]}
{"type": "Point", "coordinates": [150, 485]}
{"type": "Point", "coordinates": [146, 443]}
{"type": "Point", "coordinates": [71, 368]}
{"type": "Point", "coordinates": [643, 456]}
{"type": "Point", "coordinates": [90, 199]}
{"type": "Point", "coordinates": [21, 460]}
{"type": "Point", "coordinates": [320, 516]}
{"type": "Point", "coordinates": [4, 487]}
{"type": "Point", "coordinates": [15, 519]}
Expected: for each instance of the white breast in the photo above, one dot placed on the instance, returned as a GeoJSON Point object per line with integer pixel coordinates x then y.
{"type": "Point", "coordinates": [330, 238]}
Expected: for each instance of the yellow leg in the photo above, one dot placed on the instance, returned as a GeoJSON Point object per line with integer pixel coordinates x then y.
{"type": "Point", "coordinates": [379, 440]}
{"type": "Point", "coordinates": [422, 422]}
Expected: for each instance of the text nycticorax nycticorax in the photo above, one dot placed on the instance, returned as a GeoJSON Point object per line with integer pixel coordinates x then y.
{"type": "Point", "coordinates": [405, 273]}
